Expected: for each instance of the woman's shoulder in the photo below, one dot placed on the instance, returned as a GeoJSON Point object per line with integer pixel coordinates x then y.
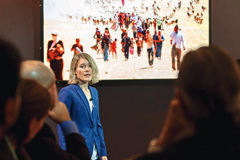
{"type": "Point", "coordinates": [68, 88]}
{"type": "Point", "coordinates": [93, 88]}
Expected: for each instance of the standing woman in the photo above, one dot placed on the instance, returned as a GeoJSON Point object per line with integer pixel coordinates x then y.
{"type": "Point", "coordinates": [83, 104]}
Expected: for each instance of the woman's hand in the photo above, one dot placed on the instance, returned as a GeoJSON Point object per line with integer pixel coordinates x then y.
{"type": "Point", "coordinates": [104, 158]}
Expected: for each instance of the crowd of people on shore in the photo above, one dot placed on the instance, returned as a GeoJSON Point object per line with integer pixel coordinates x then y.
{"type": "Point", "coordinates": [106, 45]}
{"type": "Point", "coordinates": [138, 30]}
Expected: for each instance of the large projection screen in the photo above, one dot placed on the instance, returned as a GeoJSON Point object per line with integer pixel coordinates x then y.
{"type": "Point", "coordinates": [73, 19]}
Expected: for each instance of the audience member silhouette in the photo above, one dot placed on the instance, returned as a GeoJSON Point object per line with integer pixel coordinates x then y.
{"type": "Point", "coordinates": [203, 117]}
{"type": "Point", "coordinates": [36, 102]}
{"type": "Point", "coordinates": [10, 97]}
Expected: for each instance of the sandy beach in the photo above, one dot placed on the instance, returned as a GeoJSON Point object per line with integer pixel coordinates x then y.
{"type": "Point", "coordinates": [70, 28]}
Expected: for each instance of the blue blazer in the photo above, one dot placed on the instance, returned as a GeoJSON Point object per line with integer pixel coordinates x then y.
{"type": "Point", "coordinates": [88, 123]}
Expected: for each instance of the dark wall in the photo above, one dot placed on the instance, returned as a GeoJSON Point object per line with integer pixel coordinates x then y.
{"type": "Point", "coordinates": [132, 112]}
{"type": "Point", "coordinates": [20, 24]}
{"type": "Point", "coordinates": [225, 26]}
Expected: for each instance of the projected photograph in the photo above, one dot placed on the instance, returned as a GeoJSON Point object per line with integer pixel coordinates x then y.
{"type": "Point", "coordinates": [128, 39]}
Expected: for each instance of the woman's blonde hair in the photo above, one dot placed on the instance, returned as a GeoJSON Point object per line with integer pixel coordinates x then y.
{"type": "Point", "coordinates": [73, 78]}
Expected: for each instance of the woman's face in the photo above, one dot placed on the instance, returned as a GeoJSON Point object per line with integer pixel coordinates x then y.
{"type": "Point", "coordinates": [84, 70]}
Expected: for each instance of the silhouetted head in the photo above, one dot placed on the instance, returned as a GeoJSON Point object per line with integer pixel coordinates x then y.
{"type": "Point", "coordinates": [10, 80]}
{"type": "Point", "coordinates": [209, 83]}
{"type": "Point", "coordinates": [36, 102]}
{"type": "Point", "coordinates": [38, 71]}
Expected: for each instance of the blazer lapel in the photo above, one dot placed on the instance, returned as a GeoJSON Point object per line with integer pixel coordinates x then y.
{"type": "Point", "coordinates": [84, 99]}
{"type": "Point", "coordinates": [93, 94]}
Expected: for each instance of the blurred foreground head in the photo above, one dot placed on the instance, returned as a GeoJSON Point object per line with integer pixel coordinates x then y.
{"type": "Point", "coordinates": [209, 83]}
{"type": "Point", "coordinates": [38, 71]}
{"type": "Point", "coordinates": [9, 101]}
{"type": "Point", "coordinates": [36, 102]}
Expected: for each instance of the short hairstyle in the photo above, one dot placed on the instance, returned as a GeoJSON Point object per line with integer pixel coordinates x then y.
{"type": "Point", "coordinates": [73, 78]}
{"type": "Point", "coordinates": [209, 83]}
{"type": "Point", "coordinates": [176, 26]}
{"type": "Point", "coordinates": [38, 71]}
{"type": "Point", "coordinates": [10, 70]}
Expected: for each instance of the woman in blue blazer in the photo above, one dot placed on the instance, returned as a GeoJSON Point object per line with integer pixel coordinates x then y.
{"type": "Point", "coordinates": [83, 104]}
